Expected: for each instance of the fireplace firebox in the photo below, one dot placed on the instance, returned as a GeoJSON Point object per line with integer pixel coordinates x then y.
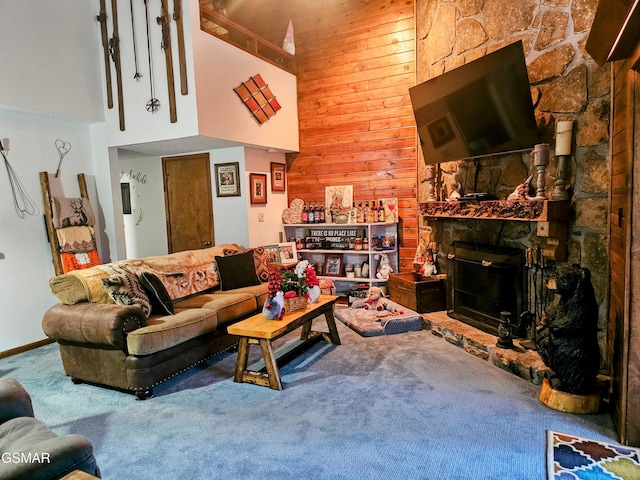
{"type": "Point", "coordinates": [483, 281]}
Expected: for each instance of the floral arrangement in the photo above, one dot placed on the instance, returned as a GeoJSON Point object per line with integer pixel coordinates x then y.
{"type": "Point", "coordinates": [294, 283]}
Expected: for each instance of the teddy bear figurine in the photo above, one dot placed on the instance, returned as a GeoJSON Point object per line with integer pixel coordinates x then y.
{"type": "Point", "coordinates": [375, 300]}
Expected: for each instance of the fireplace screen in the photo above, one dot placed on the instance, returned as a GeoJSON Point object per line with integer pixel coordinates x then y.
{"type": "Point", "coordinates": [484, 280]}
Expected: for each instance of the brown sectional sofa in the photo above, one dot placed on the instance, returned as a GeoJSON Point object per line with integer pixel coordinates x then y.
{"type": "Point", "coordinates": [129, 348]}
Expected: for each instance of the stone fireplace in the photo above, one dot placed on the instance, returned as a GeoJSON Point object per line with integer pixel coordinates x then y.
{"type": "Point", "coordinates": [566, 84]}
{"type": "Point", "coordinates": [483, 281]}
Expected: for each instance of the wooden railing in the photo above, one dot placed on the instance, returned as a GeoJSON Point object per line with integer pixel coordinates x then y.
{"type": "Point", "coordinates": [225, 29]}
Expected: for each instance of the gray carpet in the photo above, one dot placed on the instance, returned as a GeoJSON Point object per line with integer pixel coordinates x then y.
{"type": "Point", "coordinates": [407, 406]}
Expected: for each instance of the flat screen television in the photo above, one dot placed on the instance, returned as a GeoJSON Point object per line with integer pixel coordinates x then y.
{"type": "Point", "coordinates": [483, 107]}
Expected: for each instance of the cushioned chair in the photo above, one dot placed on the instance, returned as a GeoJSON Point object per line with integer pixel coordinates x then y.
{"type": "Point", "coordinates": [29, 449]}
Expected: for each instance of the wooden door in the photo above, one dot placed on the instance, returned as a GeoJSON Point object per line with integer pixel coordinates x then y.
{"type": "Point", "coordinates": [623, 332]}
{"type": "Point", "coordinates": [188, 202]}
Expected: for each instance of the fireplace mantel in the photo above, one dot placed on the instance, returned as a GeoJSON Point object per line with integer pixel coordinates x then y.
{"type": "Point", "coordinates": [552, 217]}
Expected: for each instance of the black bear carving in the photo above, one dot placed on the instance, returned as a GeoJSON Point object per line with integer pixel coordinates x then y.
{"type": "Point", "coordinates": [567, 340]}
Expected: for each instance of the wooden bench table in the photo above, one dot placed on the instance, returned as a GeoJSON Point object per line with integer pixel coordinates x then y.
{"type": "Point", "coordinates": [259, 330]}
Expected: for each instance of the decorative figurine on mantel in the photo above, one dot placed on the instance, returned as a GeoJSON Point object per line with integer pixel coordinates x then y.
{"type": "Point", "coordinates": [522, 191]}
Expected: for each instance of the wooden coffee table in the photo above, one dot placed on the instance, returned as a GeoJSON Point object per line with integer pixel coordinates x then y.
{"type": "Point", "coordinates": [259, 330]}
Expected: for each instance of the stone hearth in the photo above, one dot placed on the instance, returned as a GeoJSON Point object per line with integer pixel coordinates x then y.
{"type": "Point", "coordinates": [524, 363]}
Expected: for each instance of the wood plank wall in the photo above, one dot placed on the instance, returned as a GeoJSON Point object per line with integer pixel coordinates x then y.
{"type": "Point", "coordinates": [356, 62]}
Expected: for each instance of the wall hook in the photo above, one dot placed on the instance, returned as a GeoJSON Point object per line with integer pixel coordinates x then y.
{"type": "Point", "coordinates": [63, 148]}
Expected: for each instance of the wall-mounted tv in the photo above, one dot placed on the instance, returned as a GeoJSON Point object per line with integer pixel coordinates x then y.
{"type": "Point", "coordinates": [483, 107]}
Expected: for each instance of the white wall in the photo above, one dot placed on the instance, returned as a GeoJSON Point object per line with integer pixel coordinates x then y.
{"type": "Point", "coordinates": [47, 63]}
{"type": "Point", "coordinates": [27, 266]}
{"type": "Point", "coordinates": [145, 228]}
{"type": "Point", "coordinates": [211, 108]}
{"type": "Point", "coordinates": [267, 232]}
{"type": "Point", "coordinates": [235, 219]}
{"type": "Point", "coordinates": [219, 68]}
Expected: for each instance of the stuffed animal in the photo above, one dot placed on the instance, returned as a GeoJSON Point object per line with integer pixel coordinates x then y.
{"type": "Point", "coordinates": [568, 338]}
{"type": "Point", "coordinates": [384, 268]}
{"type": "Point", "coordinates": [375, 300]}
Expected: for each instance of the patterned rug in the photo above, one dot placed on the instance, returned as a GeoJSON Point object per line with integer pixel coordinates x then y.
{"type": "Point", "coordinates": [575, 458]}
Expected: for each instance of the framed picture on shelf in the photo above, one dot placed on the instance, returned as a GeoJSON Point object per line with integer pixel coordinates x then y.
{"type": "Point", "coordinates": [278, 177]}
{"type": "Point", "coordinates": [284, 253]}
{"type": "Point", "coordinates": [272, 253]}
{"type": "Point", "coordinates": [333, 265]}
{"type": "Point", "coordinates": [228, 179]}
{"type": "Point", "coordinates": [258, 186]}
{"type": "Point", "coordinates": [288, 253]}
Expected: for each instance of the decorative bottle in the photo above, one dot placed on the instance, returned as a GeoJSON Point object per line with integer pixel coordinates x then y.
{"type": "Point", "coordinates": [353, 213]}
{"type": "Point", "coordinates": [305, 214]}
{"type": "Point", "coordinates": [311, 214]}
{"type": "Point", "coordinates": [368, 214]}
{"type": "Point", "coordinates": [381, 217]}
{"type": "Point", "coordinates": [322, 213]}
{"type": "Point", "coordinates": [316, 214]}
{"type": "Point", "coordinates": [360, 213]}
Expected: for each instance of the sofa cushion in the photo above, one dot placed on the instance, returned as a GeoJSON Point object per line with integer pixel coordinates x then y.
{"type": "Point", "coordinates": [125, 289]}
{"type": "Point", "coordinates": [163, 332]}
{"type": "Point", "coordinates": [229, 306]}
{"type": "Point", "coordinates": [161, 303]}
{"type": "Point", "coordinates": [237, 271]}
{"type": "Point", "coordinates": [261, 292]}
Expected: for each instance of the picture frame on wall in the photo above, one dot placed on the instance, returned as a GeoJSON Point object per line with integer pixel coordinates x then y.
{"type": "Point", "coordinates": [227, 179]}
{"type": "Point", "coordinates": [333, 265]}
{"type": "Point", "coordinates": [278, 177]}
{"type": "Point", "coordinates": [258, 186]}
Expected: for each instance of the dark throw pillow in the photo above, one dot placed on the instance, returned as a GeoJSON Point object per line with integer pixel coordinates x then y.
{"type": "Point", "coordinates": [125, 289]}
{"type": "Point", "coordinates": [161, 302]}
{"type": "Point", "coordinates": [237, 271]}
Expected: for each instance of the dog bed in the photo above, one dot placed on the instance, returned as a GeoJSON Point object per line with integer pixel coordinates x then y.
{"type": "Point", "coordinates": [371, 323]}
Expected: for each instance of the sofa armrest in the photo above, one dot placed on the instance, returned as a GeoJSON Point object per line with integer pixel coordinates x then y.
{"type": "Point", "coordinates": [14, 400]}
{"type": "Point", "coordinates": [92, 323]}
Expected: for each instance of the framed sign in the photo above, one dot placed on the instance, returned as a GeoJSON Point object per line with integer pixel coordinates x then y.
{"type": "Point", "coordinates": [258, 186]}
{"type": "Point", "coordinates": [278, 181]}
{"type": "Point", "coordinates": [228, 179]}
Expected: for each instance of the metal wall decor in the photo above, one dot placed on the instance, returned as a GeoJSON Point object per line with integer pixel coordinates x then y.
{"type": "Point", "coordinates": [258, 98]}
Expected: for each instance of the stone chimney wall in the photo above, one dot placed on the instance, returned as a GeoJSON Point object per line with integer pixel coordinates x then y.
{"type": "Point", "coordinates": [565, 83]}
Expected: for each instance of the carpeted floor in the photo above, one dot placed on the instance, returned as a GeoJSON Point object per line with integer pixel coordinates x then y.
{"type": "Point", "coordinates": [407, 406]}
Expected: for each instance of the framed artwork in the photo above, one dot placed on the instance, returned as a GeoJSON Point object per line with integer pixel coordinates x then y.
{"type": "Point", "coordinates": [272, 253]}
{"type": "Point", "coordinates": [339, 198]}
{"type": "Point", "coordinates": [333, 265]}
{"type": "Point", "coordinates": [285, 253]}
{"type": "Point", "coordinates": [278, 180]}
{"type": "Point", "coordinates": [227, 179]}
{"type": "Point", "coordinates": [258, 186]}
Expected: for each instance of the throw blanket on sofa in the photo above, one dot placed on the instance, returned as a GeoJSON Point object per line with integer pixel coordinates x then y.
{"type": "Point", "coordinates": [182, 273]}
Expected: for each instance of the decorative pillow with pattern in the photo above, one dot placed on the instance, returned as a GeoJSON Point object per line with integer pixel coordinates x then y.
{"type": "Point", "coordinates": [125, 289]}
{"type": "Point", "coordinates": [161, 303]}
{"type": "Point", "coordinates": [262, 266]}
